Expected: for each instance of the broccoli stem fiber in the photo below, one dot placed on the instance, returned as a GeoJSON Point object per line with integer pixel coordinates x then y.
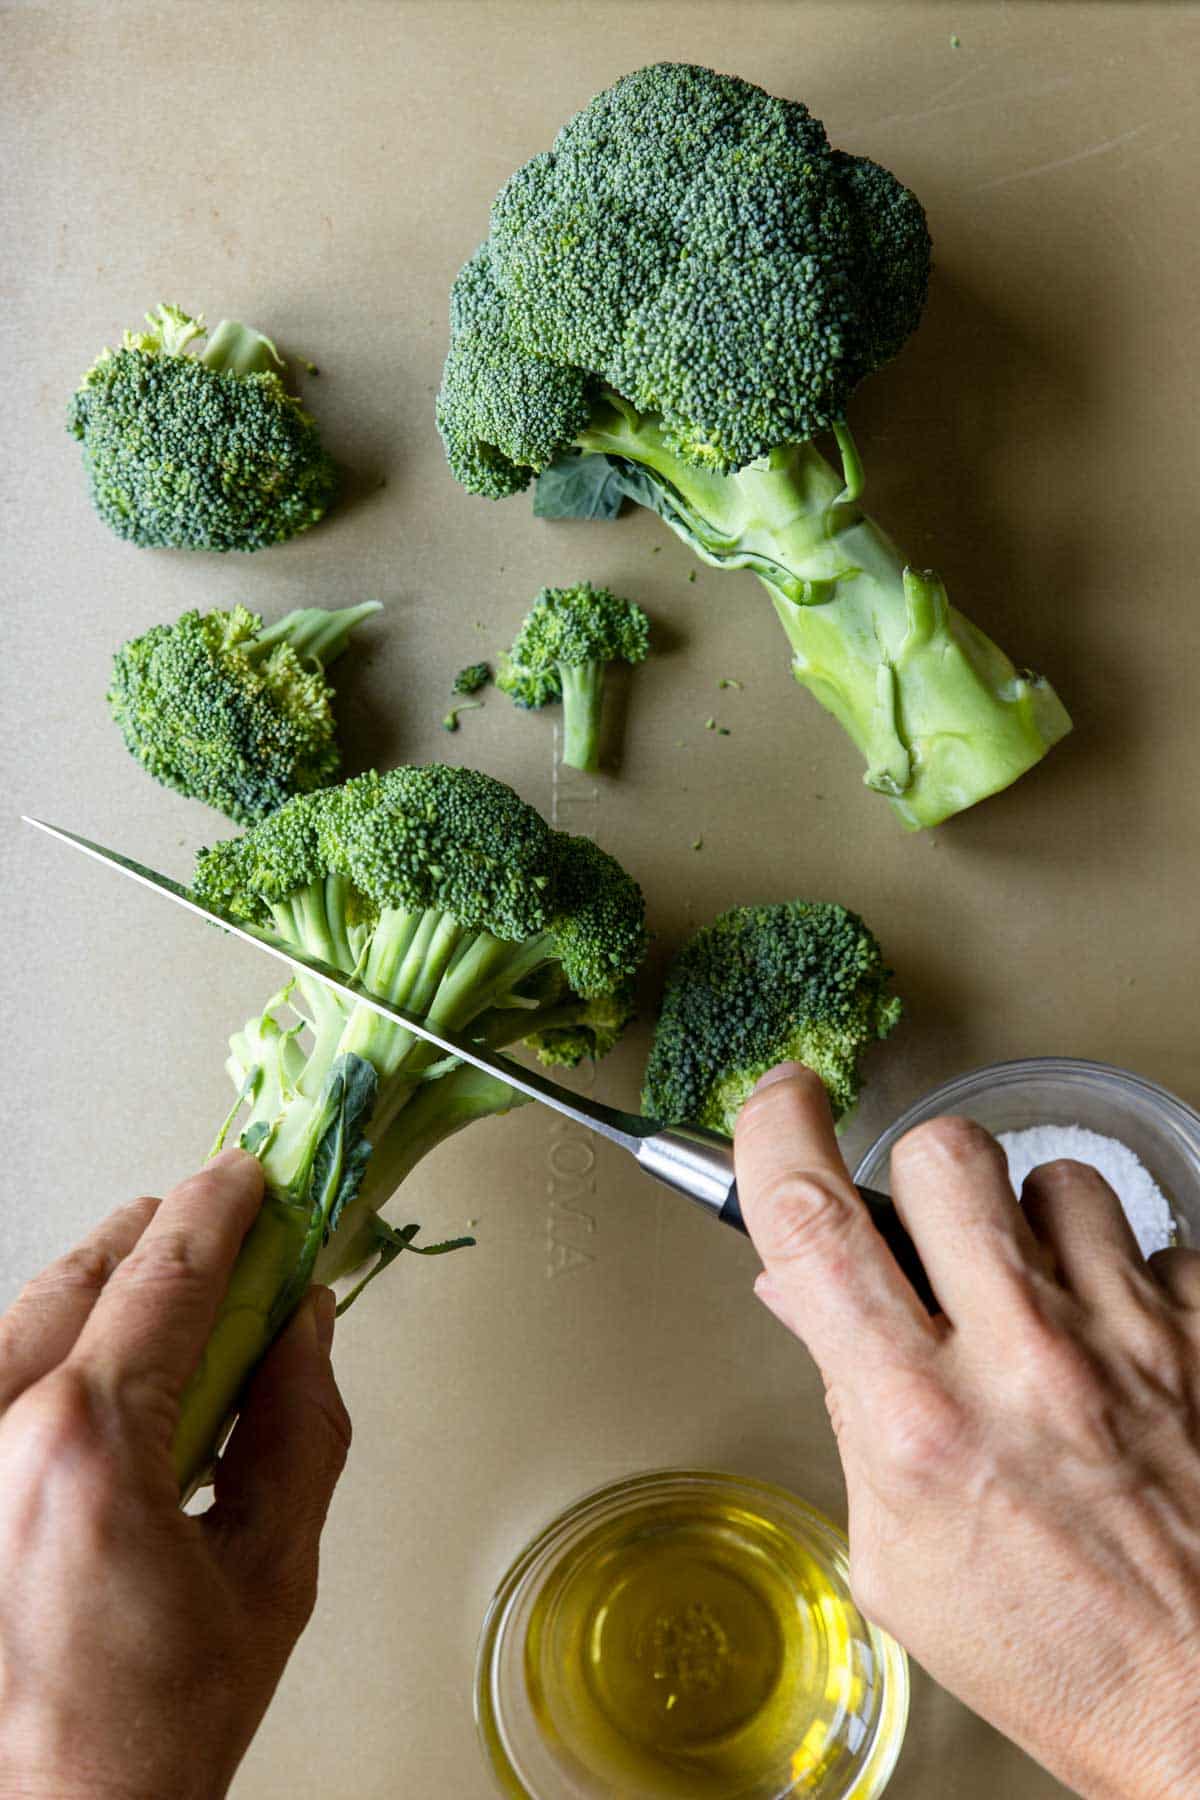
{"type": "Point", "coordinates": [941, 715]}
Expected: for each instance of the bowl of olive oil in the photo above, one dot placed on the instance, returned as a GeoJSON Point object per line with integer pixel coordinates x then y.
{"type": "Point", "coordinates": [686, 1635]}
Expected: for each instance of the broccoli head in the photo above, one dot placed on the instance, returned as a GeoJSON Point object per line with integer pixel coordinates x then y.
{"type": "Point", "coordinates": [199, 452]}
{"type": "Point", "coordinates": [801, 981]}
{"type": "Point", "coordinates": [231, 712]}
{"type": "Point", "coordinates": [671, 302]}
{"type": "Point", "coordinates": [696, 245]}
{"type": "Point", "coordinates": [562, 651]}
{"type": "Point", "coordinates": [443, 892]}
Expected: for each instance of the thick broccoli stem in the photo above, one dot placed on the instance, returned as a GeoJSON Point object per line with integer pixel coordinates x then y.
{"type": "Point", "coordinates": [582, 698]}
{"type": "Point", "coordinates": [240, 1336]}
{"type": "Point", "coordinates": [312, 631]}
{"type": "Point", "coordinates": [424, 961]}
{"type": "Point", "coordinates": [436, 1112]}
{"type": "Point", "coordinates": [941, 715]}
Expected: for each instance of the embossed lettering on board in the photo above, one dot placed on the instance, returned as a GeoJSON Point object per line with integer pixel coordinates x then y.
{"type": "Point", "coordinates": [570, 1223]}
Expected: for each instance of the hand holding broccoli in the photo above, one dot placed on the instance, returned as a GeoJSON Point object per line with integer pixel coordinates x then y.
{"type": "Point", "coordinates": [141, 1645]}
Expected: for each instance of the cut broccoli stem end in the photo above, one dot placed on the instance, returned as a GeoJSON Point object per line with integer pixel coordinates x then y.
{"type": "Point", "coordinates": [314, 631]}
{"type": "Point", "coordinates": [234, 349]}
{"type": "Point", "coordinates": [583, 703]}
{"type": "Point", "coordinates": [939, 712]}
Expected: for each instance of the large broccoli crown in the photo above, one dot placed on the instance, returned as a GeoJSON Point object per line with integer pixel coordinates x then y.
{"type": "Point", "coordinates": [566, 627]}
{"type": "Point", "coordinates": [450, 839]}
{"type": "Point", "coordinates": [198, 453]}
{"type": "Point", "coordinates": [800, 981]}
{"type": "Point", "coordinates": [695, 244]}
{"type": "Point", "coordinates": [215, 710]}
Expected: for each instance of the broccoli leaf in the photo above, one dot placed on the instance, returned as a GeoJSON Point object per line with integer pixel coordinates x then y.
{"type": "Point", "coordinates": [579, 487]}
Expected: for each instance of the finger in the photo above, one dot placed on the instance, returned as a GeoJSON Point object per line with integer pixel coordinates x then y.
{"type": "Point", "coordinates": [950, 1186]}
{"type": "Point", "coordinates": [832, 1279]}
{"type": "Point", "coordinates": [288, 1448]}
{"type": "Point", "coordinates": [1178, 1271]}
{"type": "Point", "coordinates": [43, 1322]}
{"type": "Point", "coordinates": [1073, 1211]}
{"type": "Point", "coordinates": [156, 1310]}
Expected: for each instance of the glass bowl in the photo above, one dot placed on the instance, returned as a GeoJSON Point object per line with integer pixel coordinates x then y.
{"type": "Point", "coordinates": [1061, 1090]}
{"type": "Point", "coordinates": [685, 1635]}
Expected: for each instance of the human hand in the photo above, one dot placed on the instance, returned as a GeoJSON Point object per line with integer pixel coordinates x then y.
{"type": "Point", "coordinates": [1023, 1471]}
{"type": "Point", "coordinates": [139, 1646]}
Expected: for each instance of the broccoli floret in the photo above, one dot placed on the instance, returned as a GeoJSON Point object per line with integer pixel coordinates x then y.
{"type": "Point", "coordinates": [562, 651]}
{"type": "Point", "coordinates": [472, 678]}
{"type": "Point", "coordinates": [199, 452]}
{"type": "Point", "coordinates": [801, 981]}
{"type": "Point", "coordinates": [231, 712]}
{"type": "Point", "coordinates": [671, 302]}
{"type": "Point", "coordinates": [446, 894]}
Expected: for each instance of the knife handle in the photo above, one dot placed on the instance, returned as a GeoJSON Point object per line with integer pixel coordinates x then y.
{"type": "Point", "coordinates": [886, 1221]}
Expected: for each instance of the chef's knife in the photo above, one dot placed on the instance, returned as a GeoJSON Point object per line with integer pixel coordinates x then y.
{"type": "Point", "coordinates": [691, 1160]}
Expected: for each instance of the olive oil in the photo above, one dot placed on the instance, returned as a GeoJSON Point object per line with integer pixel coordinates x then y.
{"type": "Point", "coordinates": [694, 1648]}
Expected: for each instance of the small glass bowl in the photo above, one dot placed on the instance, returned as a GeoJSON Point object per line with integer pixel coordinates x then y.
{"type": "Point", "coordinates": [685, 1635]}
{"type": "Point", "coordinates": [1062, 1090]}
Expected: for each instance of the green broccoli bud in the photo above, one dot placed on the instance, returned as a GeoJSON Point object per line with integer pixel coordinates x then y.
{"type": "Point", "coordinates": [206, 452]}
{"type": "Point", "coordinates": [233, 713]}
{"type": "Point", "coordinates": [801, 981]}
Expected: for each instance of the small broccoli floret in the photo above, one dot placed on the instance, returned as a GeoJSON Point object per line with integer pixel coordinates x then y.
{"type": "Point", "coordinates": [801, 981]}
{"type": "Point", "coordinates": [233, 713]}
{"type": "Point", "coordinates": [472, 678]}
{"type": "Point", "coordinates": [206, 452]}
{"type": "Point", "coordinates": [449, 896]}
{"type": "Point", "coordinates": [671, 303]}
{"type": "Point", "coordinates": [562, 651]}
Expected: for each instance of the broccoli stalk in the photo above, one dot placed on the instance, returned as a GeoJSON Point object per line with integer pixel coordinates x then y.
{"type": "Point", "coordinates": [672, 305]}
{"type": "Point", "coordinates": [939, 713]}
{"type": "Point", "coordinates": [562, 652]}
{"type": "Point", "coordinates": [232, 712]}
{"type": "Point", "coordinates": [445, 894]}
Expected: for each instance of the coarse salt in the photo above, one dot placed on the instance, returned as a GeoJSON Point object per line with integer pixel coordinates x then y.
{"type": "Point", "coordinates": [1145, 1204]}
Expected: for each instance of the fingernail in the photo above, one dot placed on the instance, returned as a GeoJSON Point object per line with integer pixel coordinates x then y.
{"type": "Point", "coordinates": [784, 1072]}
{"type": "Point", "coordinates": [324, 1307]}
{"type": "Point", "coordinates": [226, 1158]}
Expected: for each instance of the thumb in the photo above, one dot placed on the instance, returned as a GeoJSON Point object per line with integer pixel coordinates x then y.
{"type": "Point", "coordinates": [276, 1479]}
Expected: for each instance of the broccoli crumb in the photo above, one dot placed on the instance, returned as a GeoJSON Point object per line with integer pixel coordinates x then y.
{"type": "Point", "coordinates": [692, 575]}
{"type": "Point", "coordinates": [310, 368]}
{"type": "Point", "coordinates": [698, 843]}
{"type": "Point", "coordinates": [450, 722]}
{"type": "Point", "coordinates": [955, 41]}
{"type": "Point", "coordinates": [472, 678]}
{"type": "Point", "coordinates": [727, 681]}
